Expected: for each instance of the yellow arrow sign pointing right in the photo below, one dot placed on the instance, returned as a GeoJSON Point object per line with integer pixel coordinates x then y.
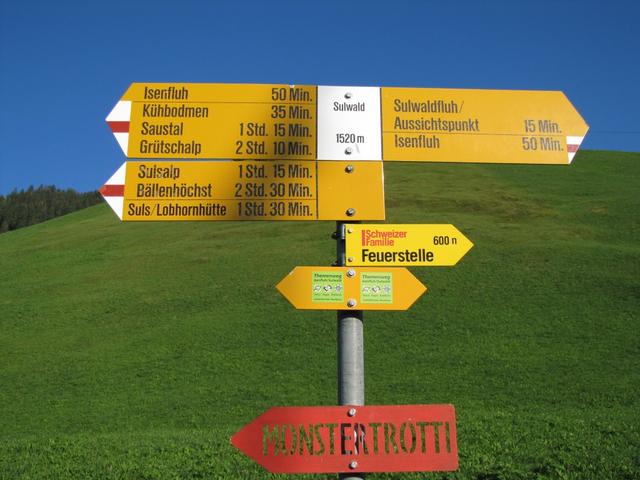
{"type": "Point", "coordinates": [484, 126]}
{"type": "Point", "coordinates": [405, 245]}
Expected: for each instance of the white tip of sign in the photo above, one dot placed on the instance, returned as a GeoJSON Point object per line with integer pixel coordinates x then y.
{"type": "Point", "coordinates": [116, 204]}
{"type": "Point", "coordinates": [113, 190]}
{"type": "Point", "coordinates": [118, 121]}
{"type": "Point", "coordinates": [118, 177]}
{"type": "Point", "coordinates": [573, 144]}
{"type": "Point", "coordinates": [123, 140]}
{"type": "Point", "coordinates": [121, 112]}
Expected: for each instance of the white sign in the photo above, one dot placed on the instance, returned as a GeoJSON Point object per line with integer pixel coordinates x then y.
{"type": "Point", "coordinates": [349, 123]}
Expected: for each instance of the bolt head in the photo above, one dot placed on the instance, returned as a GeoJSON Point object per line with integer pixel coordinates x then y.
{"type": "Point", "coordinates": [349, 230]}
{"type": "Point", "coordinates": [352, 412]}
{"type": "Point", "coordinates": [353, 465]}
{"type": "Point", "coordinates": [351, 212]}
{"type": "Point", "coordinates": [350, 259]}
{"type": "Point", "coordinates": [351, 272]}
{"type": "Point", "coordinates": [348, 168]}
{"type": "Point", "coordinates": [351, 303]}
{"type": "Point", "coordinates": [348, 150]}
{"type": "Point", "coordinates": [347, 95]}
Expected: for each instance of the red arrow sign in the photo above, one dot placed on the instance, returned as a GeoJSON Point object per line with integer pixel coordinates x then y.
{"type": "Point", "coordinates": [402, 438]}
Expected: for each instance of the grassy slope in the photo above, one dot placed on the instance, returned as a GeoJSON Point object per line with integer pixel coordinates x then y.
{"type": "Point", "coordinates": [136, 350]}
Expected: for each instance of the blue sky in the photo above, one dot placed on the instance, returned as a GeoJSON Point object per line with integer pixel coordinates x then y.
{"type": "Point", "coordinates": [64, 64]}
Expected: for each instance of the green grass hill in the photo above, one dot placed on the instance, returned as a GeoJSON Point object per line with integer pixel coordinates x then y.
{"type": "Point", "coordinates": [135, 350]}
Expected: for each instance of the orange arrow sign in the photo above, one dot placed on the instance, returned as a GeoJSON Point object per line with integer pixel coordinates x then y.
{"type": "Point", "coordinates": [344, 288]}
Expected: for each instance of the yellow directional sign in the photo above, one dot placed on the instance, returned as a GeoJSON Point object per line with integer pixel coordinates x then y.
{"type": "Point", "coordinates": [344, 288]}
{"type": "Point", "coordinates": [161, 120]}
{"type": "Point", "coordinates": [293, 122]}
{"type": "Point", "coordinates": [247, 190]}
{"type": "Point", "coordinates": [486, 126]}
{"type": "Point", "coordinates": [405, 245]}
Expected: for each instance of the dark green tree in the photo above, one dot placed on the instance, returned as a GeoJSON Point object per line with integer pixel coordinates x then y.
{"type": "Point", "coordinates": [34, 205]}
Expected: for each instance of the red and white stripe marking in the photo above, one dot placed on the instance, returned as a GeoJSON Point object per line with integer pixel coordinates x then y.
{"type": "Point", "coordinates": [573, 144]}
{"type": "Point", "coordinates": [113, 190]}
{"type": "Point", "coordinates": [118, 120]}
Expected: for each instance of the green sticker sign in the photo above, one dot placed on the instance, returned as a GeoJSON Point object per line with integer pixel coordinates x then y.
{"type": "Point", "coordinates": [327, 287]}
{"type": "Point", "coordinates": [376, 287]}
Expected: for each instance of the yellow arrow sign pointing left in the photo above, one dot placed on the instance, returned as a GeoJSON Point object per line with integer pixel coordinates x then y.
{"type": "Point", "coordinates": [344, 288]}
{"type": "Point", "coordinates": [247, 190]}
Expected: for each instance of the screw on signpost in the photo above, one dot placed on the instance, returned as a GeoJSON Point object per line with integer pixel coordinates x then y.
{"type": "Point", "coordinates": [350, 350]}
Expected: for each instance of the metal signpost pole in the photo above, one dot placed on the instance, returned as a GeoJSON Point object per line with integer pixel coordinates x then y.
{"type": "Point", "coordinates": [350, 350]}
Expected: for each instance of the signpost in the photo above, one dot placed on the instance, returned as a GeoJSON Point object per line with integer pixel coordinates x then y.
{"type": "Point", "coordinates": [344, 288]}
{"type": "Point", "coordinates": [247, 190]}
{"type": "Point", "coordinates": [403, 438]}
{"type": "Point", "coordinates": [405, 245]}
{"type": "Point", "coordinates": [264, 121]}
{"type": "Point", "coordinates": [291, 152]}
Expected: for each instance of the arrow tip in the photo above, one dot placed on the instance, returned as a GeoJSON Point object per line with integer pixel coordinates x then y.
{"type": "Point", "coordinates": [283, 286]}
{"type": "Point", "coordinates": [118, 121]}
{"type": "Point", "coordinates": [573, 145]}
{"type": "Point", "coordinates": [245, 441]}
{"type": "Point", "coordinates": [113, 190]}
